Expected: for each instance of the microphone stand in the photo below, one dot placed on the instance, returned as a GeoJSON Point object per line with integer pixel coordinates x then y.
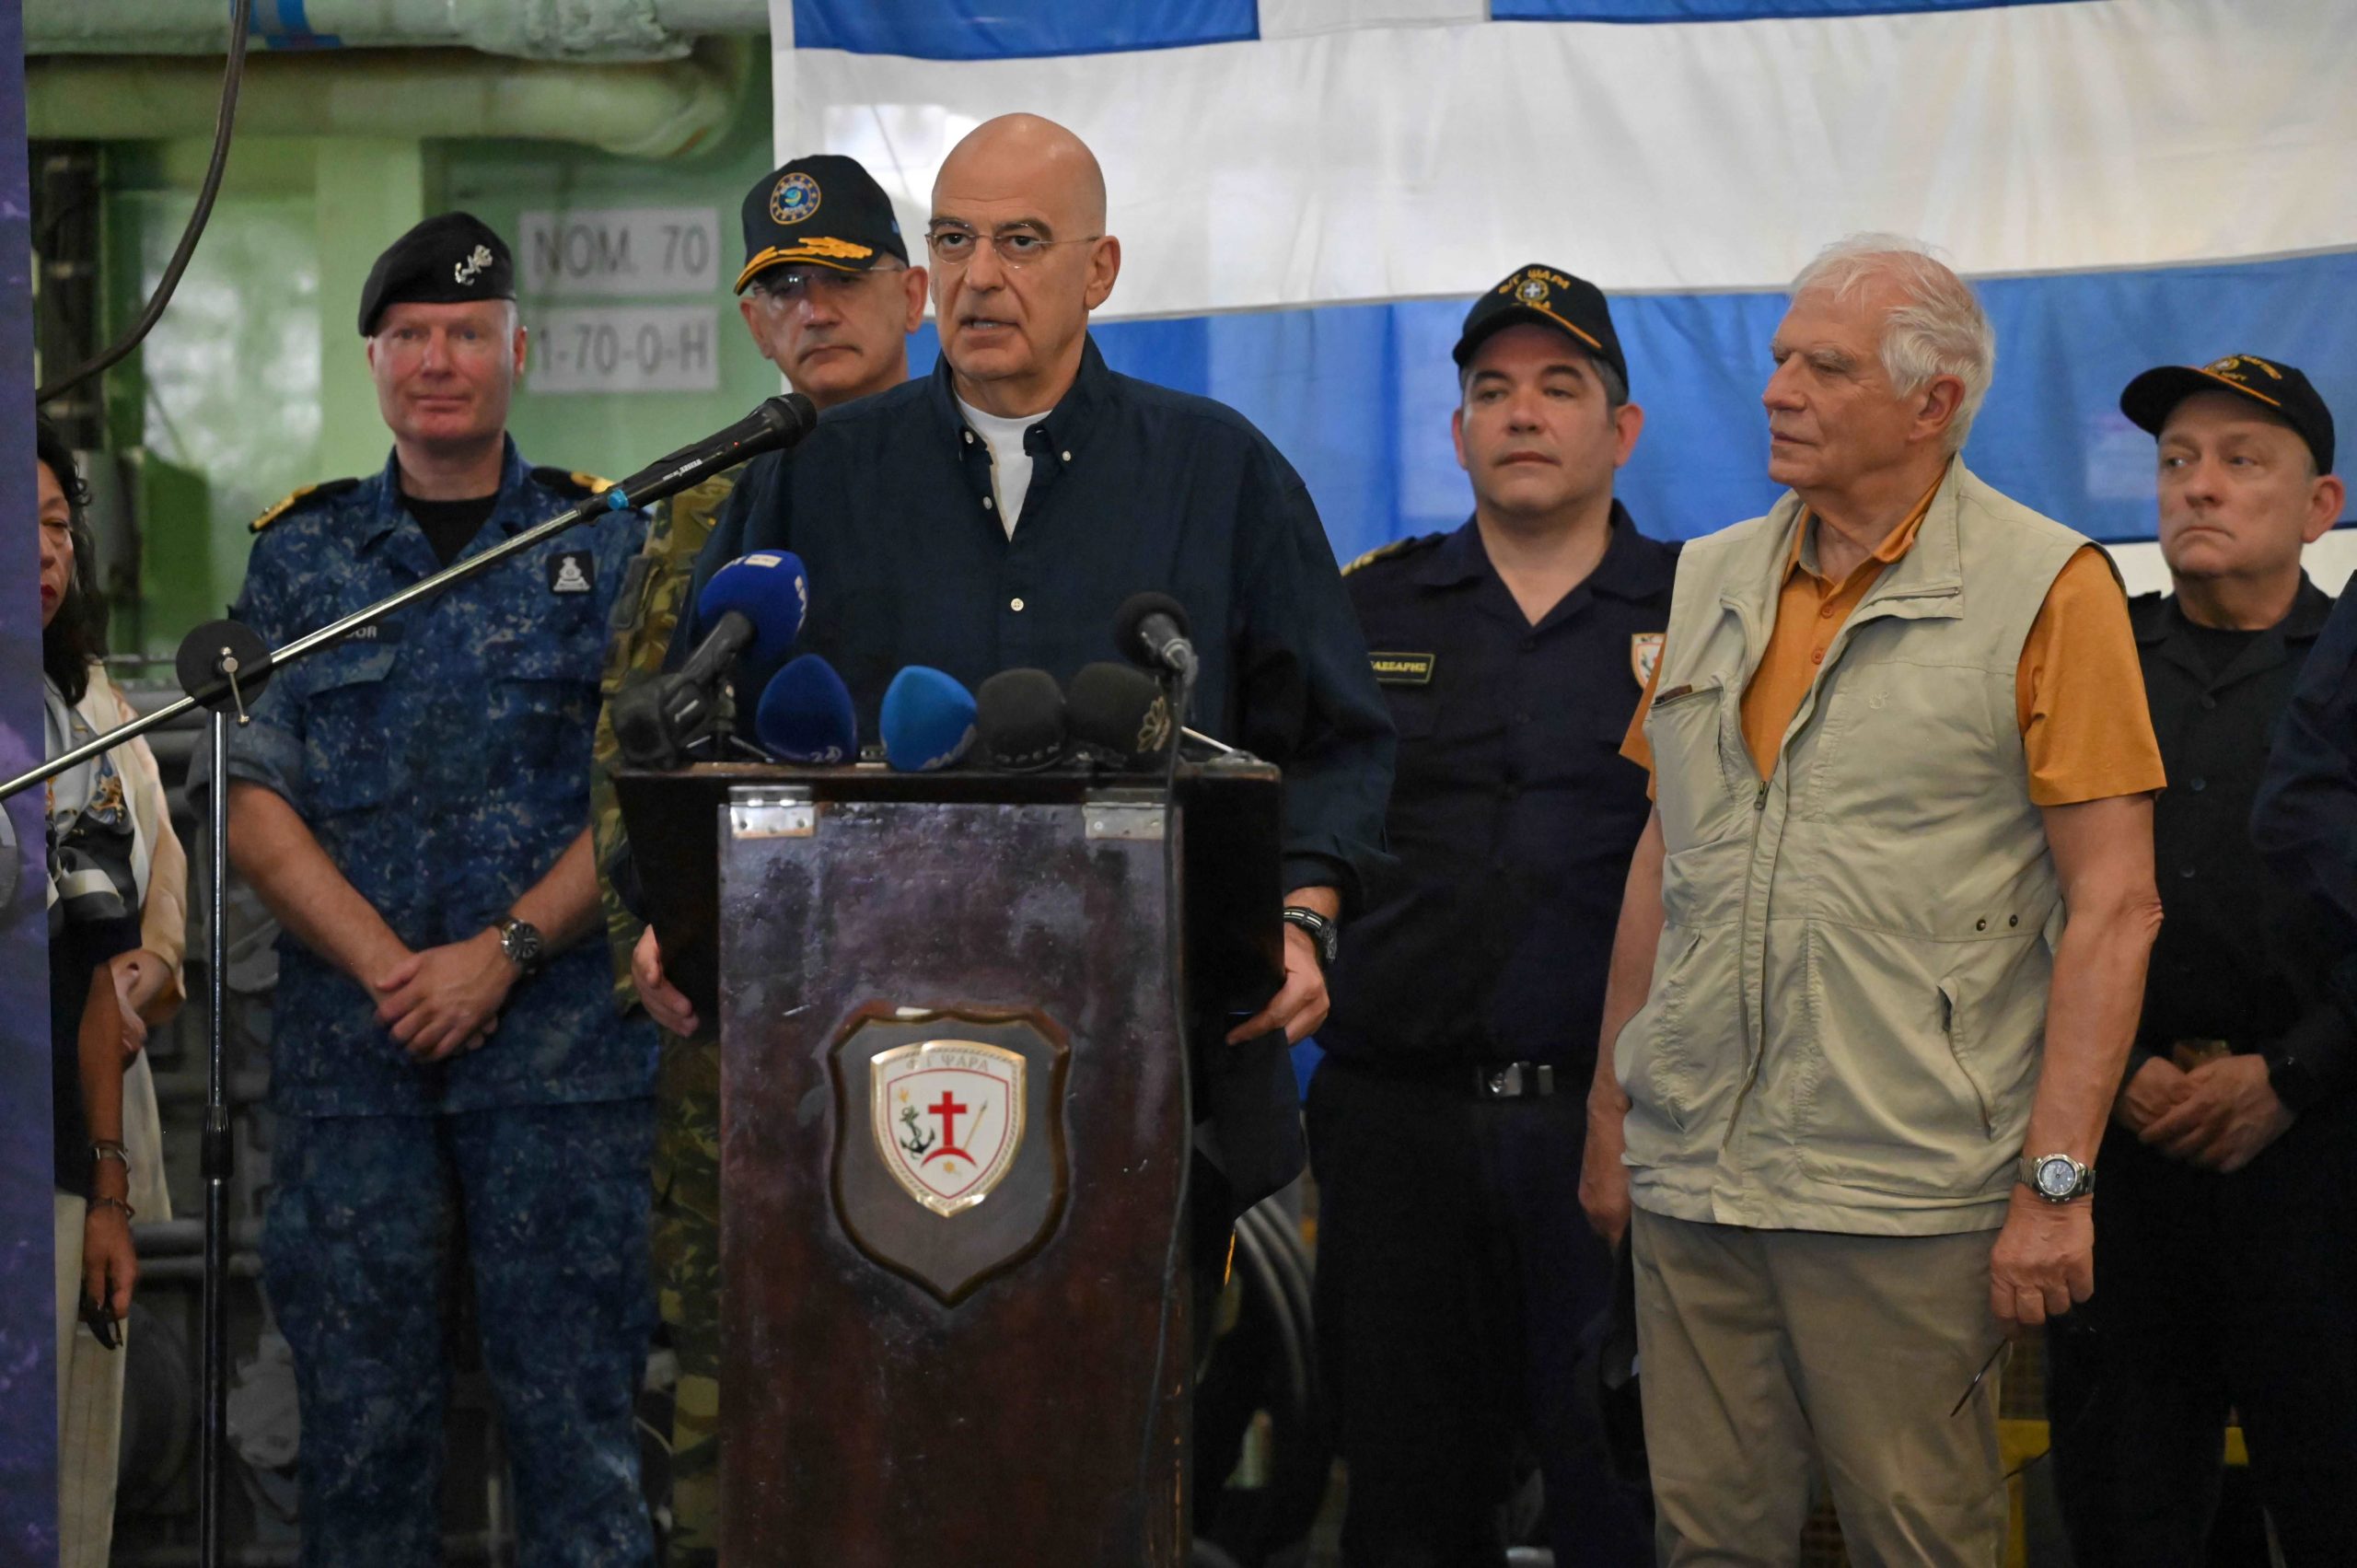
{"type": "Point", "coordinates": [218, 664]}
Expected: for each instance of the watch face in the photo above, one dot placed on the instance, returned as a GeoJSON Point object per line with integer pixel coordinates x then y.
{"type": "Point", "coordinates": [2055, 1176]}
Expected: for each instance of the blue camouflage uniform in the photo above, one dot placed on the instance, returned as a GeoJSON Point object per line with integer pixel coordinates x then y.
{"type": "Point", "coordinates": [442, 761]}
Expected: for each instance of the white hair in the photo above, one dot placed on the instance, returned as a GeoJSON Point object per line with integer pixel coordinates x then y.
{"type": "Point", "coordinates": [1940, 330]}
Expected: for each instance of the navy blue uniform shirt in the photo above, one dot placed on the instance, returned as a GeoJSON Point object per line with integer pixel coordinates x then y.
{"type": "Point", "coordinates": [441, 758]}
{"type": "Point", "coordinates": [1133, 486]}
{"type": "Point", "coordinates": [1513, 814]}
{"type": "Point", "coordinates": [2241, 956]}
{"type": "Point", "coordinates": [2305, 820]}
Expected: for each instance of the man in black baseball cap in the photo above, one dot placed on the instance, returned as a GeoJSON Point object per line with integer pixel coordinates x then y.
{"type": "Point", "coordinates": [1449, 1107]}
{"type": "Point", "coordinates": [2224, 1167]}
{"type": "Point", "coordinates": [832, 297]}
{"type": "Point", "coordinates": [2282, 391]}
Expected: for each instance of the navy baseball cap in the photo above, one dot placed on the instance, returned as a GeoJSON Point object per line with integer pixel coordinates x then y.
{"type": "Point", "coordinates": [1548, 297]}
{"type": "Point", "coordinates": [824, 211]}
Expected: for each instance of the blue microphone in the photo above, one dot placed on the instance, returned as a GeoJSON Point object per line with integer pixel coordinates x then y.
{"type": "Point", "coordinates": [770, 593]}
{"type": "Point", "coordinates": [756, 603]}
{"type": "Point", "coordinates": [928, 720]}
{"type": "Point", "coordinates": [806, 717]}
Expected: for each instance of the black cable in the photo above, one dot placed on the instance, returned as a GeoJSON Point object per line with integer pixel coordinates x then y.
{"type": "Point", "coordinates": [1173, 934]}
{"type": "Point", "coordinates": [240, 23]}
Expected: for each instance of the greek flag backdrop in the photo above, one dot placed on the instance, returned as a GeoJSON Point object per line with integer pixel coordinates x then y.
{"type": "Point", "coordinates": [1309, 192]}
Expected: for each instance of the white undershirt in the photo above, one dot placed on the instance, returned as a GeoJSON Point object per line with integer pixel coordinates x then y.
{"type": "Point", "coordinates": [1010, 464]}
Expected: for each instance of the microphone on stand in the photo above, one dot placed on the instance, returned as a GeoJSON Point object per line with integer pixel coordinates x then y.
{"type": "Point", "coordinates": [1019, 720]}
{"type": "Point", "coordinates": [1120, 716]}
{"type": "Point", "coordinates": [806, 714]}
{"type": "Point", "coordinates": [1150, 629]}
{"type": "Point", "coordinates": [928, 720]}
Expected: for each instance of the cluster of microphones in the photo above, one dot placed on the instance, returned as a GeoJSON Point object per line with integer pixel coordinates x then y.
{"type": "Point", "coordinates": [1112, 716]}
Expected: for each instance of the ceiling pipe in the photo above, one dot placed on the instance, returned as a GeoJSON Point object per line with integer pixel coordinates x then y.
{"type": "Point", "coordinates": [530, 29]}
{"type": "Point", "coordinates": [653, 111]}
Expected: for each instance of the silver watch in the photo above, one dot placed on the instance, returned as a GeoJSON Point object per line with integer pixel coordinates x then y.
{"type": "Point", "coordinates": [2058, 1178]}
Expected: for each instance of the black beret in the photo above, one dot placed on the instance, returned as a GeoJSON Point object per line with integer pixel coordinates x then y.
{"type": "Point", "coordinates": [449, 259]}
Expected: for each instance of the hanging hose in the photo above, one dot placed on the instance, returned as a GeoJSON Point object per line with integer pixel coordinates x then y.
{"type": "Point", "coordinates": [240, 23]}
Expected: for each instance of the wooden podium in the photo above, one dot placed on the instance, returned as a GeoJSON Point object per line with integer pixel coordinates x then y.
{"type": "Point", "coordinates": [954, 1012]}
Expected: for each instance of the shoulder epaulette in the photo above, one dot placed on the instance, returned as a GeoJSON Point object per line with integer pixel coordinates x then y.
{"type": "Point", "coordinates": [321, 491]}
{"type": "Point", "coordinates": [571, 482]}
{"type": "Point", "coordinates": [1397, 548]}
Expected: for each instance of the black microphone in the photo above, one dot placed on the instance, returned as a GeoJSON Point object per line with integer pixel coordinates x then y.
{"type": "Point", "coordinates": [1150, 629]}
{"type": "Point", "coordinates": [779, 422]}
{"type": "Point", "coordinates": [1019, 720]}
{"type": "Point", "coordinates": [1119, 716]}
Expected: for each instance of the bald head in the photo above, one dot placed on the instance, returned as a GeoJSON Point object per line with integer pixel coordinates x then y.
{"type": "Point", "coordinates": [1020, 259]}
{"type": "Point", "coordinates": [1024, 158]}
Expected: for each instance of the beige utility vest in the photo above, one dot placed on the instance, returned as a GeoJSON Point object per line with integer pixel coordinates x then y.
{"type": "Point", "coordinates": [1849, 999]}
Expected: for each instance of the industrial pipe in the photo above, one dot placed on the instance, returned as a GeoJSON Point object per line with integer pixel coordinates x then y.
{"type": "Point", "coordinates": [653, 110]}
{"type": "Point", "coordinates": [531, 30]}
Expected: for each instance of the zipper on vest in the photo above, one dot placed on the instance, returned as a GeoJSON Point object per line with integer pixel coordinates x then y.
{"type": "Point", "coordinates": [1759, 799]}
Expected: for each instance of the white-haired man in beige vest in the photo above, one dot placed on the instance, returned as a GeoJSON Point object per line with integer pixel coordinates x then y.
{"type": "Point", "coordinates": [1881, 951]}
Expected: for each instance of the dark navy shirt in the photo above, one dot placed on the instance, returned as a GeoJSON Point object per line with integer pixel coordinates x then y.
{"type": "Point", "coordinates": [441, 758]}
{"type": "Point", "coordinates": [1514, 815]}
{"type": "Point", "coordinates": [2241, 956]}
{"type": "Point", "coordinates": [888, 504]}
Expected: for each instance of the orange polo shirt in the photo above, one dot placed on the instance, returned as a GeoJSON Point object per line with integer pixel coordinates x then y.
{"type": "Point", "coordinates": [2084, 742]}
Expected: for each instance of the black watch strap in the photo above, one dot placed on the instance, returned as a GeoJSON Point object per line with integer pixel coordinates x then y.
{"type": "Point", "coordinates": [1324, 934]}
{"type": "Point", "coordinates": [2292, 1081]}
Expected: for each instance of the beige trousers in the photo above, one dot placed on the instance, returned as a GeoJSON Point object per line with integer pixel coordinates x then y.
{"type": "Point", "coordinates": [89, 1409]}
{"type": "Point", "coordinates": [1766, 1353]}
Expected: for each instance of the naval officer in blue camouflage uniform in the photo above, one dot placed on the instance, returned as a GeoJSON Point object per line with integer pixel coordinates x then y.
{"type": "Point", "coordinates": [448, 1069]}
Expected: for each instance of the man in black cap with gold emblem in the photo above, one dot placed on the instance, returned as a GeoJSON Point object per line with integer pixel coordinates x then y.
{"type": "Point", "coordinates": [827, 294]}
{"type": "Point", "coordinates": [2225, 1252]}
{"type": "Point", "coordinates": [448, 1072]}
{"type": "Point", "coordinates": [1455, 1274]}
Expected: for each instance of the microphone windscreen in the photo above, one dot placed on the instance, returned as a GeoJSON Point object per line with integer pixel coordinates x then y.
{"type": "Point", "coordinates": [1131, 618]}
{"type": "Point", "coordinates": [1019, 719]}
{"type": "Point", "coordinates": [1121, 714]}
{"type": "Point", "coordinates": [768, 588]}
{"type": "Point", "coordinates": [928, 720]}
{"type": "Point", "coordinates": [807, 715]}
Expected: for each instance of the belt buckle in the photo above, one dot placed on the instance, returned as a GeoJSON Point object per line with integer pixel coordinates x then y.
{"type": "Point", "coordinates": [1520, 1080]}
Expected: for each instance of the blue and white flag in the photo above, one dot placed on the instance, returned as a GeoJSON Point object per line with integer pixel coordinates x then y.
{"type": "Point", "coordinates": [1309, 192]}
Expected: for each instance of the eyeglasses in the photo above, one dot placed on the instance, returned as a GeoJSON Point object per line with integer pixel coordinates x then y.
{"type": "Point", "coordinates": [952, 244]}
{"type": "Point", "coordinates": [791, 285]}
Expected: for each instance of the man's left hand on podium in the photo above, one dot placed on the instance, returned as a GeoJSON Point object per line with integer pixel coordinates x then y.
{"type": "Point", "coordinates": [1301, 1004]}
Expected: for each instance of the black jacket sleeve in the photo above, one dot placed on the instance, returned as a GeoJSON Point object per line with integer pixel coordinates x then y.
{"type": "Point", "coordinates": [1307, 700]}
{"type": "Point", "coordinates": [2305, 820]}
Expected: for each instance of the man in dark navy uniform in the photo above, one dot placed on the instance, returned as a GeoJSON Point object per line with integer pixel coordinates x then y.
{"type": "Point", "coordinates": [1454, 1272]}
{"type": "Point", "coordinates": [2225, 1255]}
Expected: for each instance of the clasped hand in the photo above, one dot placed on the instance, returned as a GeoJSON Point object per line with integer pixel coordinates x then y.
{"type": "Point", "coordinates": [444, 1000]}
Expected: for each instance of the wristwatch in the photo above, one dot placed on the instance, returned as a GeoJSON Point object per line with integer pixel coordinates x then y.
{"type": "Point", "coordinates": [2295, 1085]}
{"type": "Point", "coordinates": [2058, 1178]}
{"type": "Point", "coordinates": [1324, 934]}
{"type": "Point", "coordinates": [520, 941]}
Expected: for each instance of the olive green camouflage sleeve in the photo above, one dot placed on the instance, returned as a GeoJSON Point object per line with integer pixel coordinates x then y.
{"type": "Point", "coordinates": [646, 612]}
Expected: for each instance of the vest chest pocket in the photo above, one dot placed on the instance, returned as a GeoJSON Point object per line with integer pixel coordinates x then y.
{"type": "Point", "coordinates": [1693, 786]}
